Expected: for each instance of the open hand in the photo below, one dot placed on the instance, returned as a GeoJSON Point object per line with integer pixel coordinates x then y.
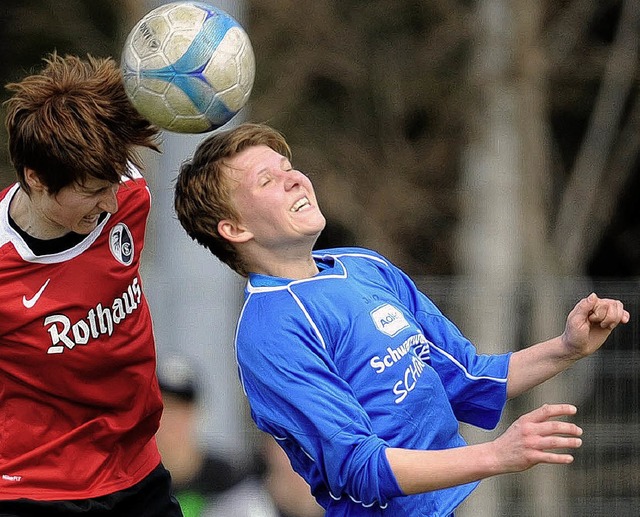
{"type": "Point", "coordinates": [537, 438]}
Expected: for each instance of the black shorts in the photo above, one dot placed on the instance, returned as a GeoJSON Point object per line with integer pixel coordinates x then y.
{"type": "Point", "coordinates": [151, 497]}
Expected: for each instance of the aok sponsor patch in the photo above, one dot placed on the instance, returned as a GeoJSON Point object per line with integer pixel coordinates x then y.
{"type": "Point", "coordinates": [389, 320]}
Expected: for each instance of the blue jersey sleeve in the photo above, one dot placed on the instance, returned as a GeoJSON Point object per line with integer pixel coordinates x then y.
{"type": "Point", "coordinates": [476, 384]}
{"type": "Point", "coordinates": [297, 395]}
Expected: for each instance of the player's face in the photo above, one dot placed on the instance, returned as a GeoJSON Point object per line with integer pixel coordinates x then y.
{"type": "Point", "coordinates": [77, 207]}
{"type": "Point", "coordinates": [276, 203]}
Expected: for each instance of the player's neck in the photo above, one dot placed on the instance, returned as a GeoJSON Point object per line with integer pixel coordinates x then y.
{"type": "Point", "coordinates": [289, 259]}
{"type": "Point", "coordinates": [25, 213]}
{"type": "Point", "coordinates": [285, 265]}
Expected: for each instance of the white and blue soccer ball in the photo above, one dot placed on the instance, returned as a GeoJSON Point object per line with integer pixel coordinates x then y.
{"type": "Point", "coordinates": [188, 67]}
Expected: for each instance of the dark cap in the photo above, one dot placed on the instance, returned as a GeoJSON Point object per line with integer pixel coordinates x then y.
{"type": "Point", "coordinates": [176, 375]}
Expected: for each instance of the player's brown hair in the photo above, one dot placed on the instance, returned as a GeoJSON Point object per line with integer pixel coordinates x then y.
{"type": "Point", "coordinates": [202, 192]}
{"type": "Point", "coordinates": [73, 120]}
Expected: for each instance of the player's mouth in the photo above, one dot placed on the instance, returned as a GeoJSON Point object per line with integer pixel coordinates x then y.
{"type": "Point", "coordinates": [300, 204]}
{"type": "Point", "coordinates": [91, 219]}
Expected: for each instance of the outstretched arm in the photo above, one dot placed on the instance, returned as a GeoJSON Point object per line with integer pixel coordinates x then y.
{"type": "Point", "coordinates": [533, 438]}
{"type": "Point", "coordinates": [536, 437]}
{"type": "Point", "coordinates": [588, 326]}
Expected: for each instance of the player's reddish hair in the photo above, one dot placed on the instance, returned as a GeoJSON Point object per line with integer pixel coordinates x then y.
{"type": "Point", "coordinates": [73, 120]}
{"type": "Point", "coordinates": [202, 197]}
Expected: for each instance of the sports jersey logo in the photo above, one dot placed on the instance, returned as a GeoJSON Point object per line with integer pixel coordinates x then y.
{"type": "Point", "coordinates": [417, 345]}
{"type": "Point", "coordinates": [412, 356]}
{"type": "Point", "coordinates": [121, 244]}
{"type": "Point", "coordinates": [30, 302]}
{"type": "Point", "coordinates": [100, 320]}
{"type": "Point", "coordinates": [389, 320]}
{"type": "Point", "coordinates": [8, 477]}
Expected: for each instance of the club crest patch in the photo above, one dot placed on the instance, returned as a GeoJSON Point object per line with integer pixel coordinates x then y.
{"type": "Point", "coordinates": [388, 319]}
{"type": "Point", "coordinates": [121, 244]}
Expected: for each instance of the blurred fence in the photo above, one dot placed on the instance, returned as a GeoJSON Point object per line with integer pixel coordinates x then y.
{"type": "Point", "coordinates": [604, 479]}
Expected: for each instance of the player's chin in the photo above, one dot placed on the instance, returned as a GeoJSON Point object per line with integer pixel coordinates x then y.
{"type": "Point", "coordinates": [314, 229]}
{"type": "Point", "coordinates": [320, 223]}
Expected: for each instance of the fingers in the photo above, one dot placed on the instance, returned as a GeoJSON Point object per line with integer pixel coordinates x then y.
{"type": "Point", "coordinates": [554, 458]}
{"type": "Point", "coordinates": [548, 411]}
{"type": "Point", "coordinates": [585, 306]}
{"type": "Point", "coordinates": [543, 433]}
{"type": "Point", "coordinates": [544, 445]}
{"type": "Point", "coordinates": [551, 438]}
{"type": "Point", "coordinates": [538, 437]}
{"type": "Point", "coordinates": [543, 436]}
{"type": "Point", "coordinates": [554, 427]}
{"type": "Point", "coordinates": [608, 313]}
{"type": "Point", "coordinates": [553, 442]}
{"type": "Point", "coordinates": [605, 312]}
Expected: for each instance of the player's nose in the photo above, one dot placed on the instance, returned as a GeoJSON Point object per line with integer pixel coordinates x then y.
{"type": "Point", "coordinates": [292, 179]}
{"type": "Point", "coordinates": [109, 202]}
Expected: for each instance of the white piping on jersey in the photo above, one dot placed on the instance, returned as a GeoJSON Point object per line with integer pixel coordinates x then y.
{"type": "Point", "coordinates": [299, 303]}
{"type": "Point", "coordinates": [288, 287]}
{"type": "Point", "coordinates": [335, 498]}
{"type": "Point", "coordinates": [263, 289]}
{"type": "Point", "coordinates": [366, 505]}
{"type": "Point", "coordinates": [282, 439]}
{"type": "Point", "coordinates": [308, 316]}
{"type": "Point", "coordinates": [235, 346]}
{"type": "Point", "coordinates": [464, 370]}
{"type": "Point", "coordinates": [272, 288]}
{"type": "Point", "coordinates": [8, 234]}
{"type": "Point", "coordinates": [251, 289]}
{"type": "Point", "coordinates": [361, 255]}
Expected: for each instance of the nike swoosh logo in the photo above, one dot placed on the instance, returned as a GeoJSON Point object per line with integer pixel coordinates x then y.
{"type": "Point", "coordinates": [30, 302]}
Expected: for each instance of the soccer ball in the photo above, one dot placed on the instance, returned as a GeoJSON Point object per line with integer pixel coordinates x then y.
{"type": "Point", "coordinates": [188, 67]}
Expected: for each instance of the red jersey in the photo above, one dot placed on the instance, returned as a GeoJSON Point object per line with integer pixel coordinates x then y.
{"type": "Point", "coordinates": [79, 398]}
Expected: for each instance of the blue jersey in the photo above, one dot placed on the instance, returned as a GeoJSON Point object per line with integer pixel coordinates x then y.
{"type": "Point", "coordinates": [343, 365]}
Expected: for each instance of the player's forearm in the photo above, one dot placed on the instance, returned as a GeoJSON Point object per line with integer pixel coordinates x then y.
{"type": "Point", "coordinates": [418, 471]}
{"type": "Point", "coordinates": [536, 437]}
{"type": "Point", "coordinates": [534, 365]}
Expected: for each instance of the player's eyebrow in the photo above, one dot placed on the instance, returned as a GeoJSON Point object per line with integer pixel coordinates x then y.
{"type": "Point", "coordinates": [285, 162]}
{"type": "Point", "coordinates": [92, 189]}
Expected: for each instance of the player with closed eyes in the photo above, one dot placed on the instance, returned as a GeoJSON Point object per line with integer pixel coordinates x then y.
{"type": "Point", "coordinates": [356, 373]}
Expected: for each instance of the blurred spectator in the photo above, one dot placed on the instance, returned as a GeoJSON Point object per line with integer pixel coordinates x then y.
{"type": "Point", "coordinates": [274, 491]}
{"type": "Point", "coordinates": [198, 475]}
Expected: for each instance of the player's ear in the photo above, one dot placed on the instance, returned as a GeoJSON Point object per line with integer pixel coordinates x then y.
{"type": "Point", "coordinates": [33, 180]}
{"type": "Point", "coordinates": [233, 231]}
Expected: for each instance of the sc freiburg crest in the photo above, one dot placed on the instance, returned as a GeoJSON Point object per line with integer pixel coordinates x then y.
{"type": "Point", "coordinates": [121, 244]}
